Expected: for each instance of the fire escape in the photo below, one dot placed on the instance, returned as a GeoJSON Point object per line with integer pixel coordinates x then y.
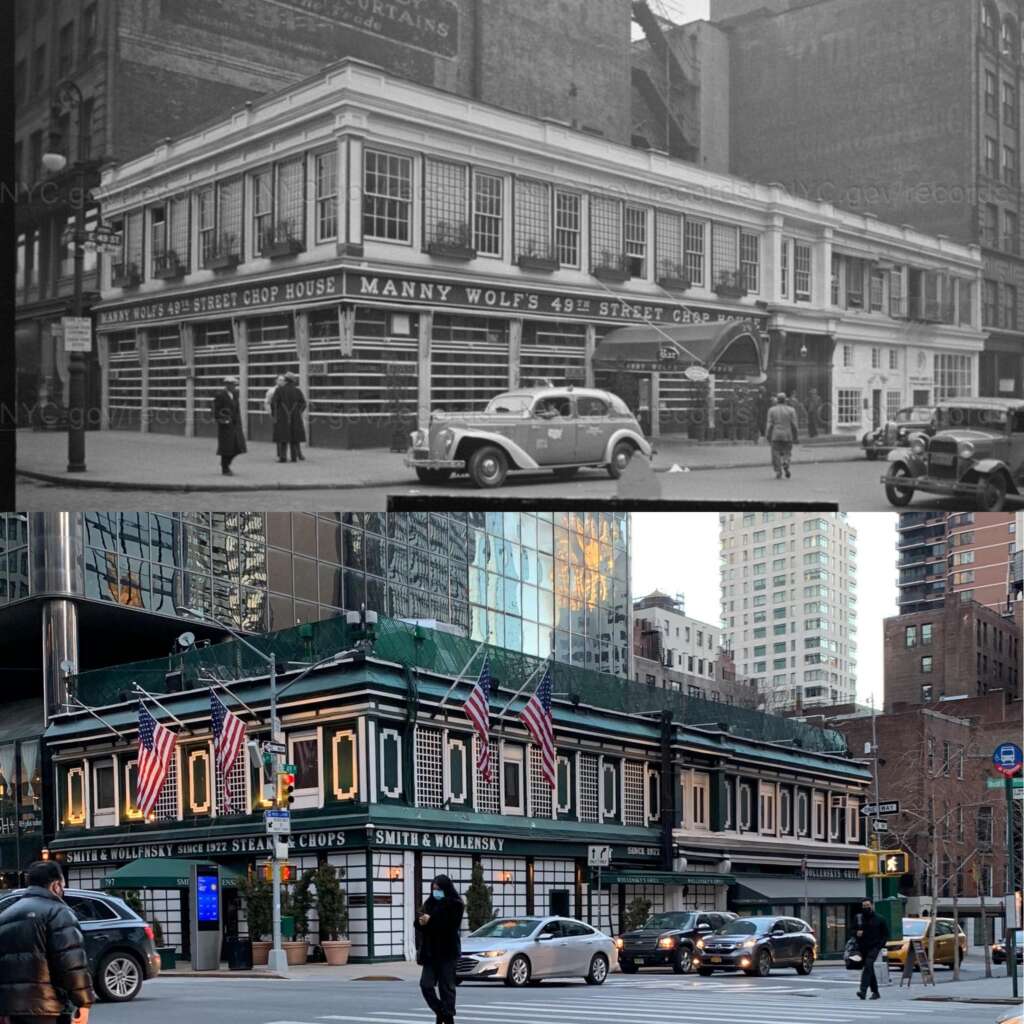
{"type": "Point", "coordinates": [680, 143]}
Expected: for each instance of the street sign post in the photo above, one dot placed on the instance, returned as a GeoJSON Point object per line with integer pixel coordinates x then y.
{"type": "Point", "coordinates": [889, 807]}
{"type": "Point", "coordinates": [599, 856]}
{"type": "Point", "coordinates": [277, 822]}
{"type": "Point", "coordinates": [77, 333]}
{"type": "Point", "coordinates": [1008, 759]}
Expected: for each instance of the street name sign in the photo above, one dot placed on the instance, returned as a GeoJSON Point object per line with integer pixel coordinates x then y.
{"type": "Point", "coordinates": [599, 856]}
{"type": "Point", "coordinates": [277, 822]}
{"type": "Point", "coordinates": [889, 807]}
{"type": "Point", "coordinates": [880, 826]}
{"type": "Point", "coordinates": [273, 747]}
{"type": "Point", "coordinates": [77, 333]}
{"type": "Point", "coordinates": [1015, 783]}
{"type": "Point", "coordinates": [1007, 759]}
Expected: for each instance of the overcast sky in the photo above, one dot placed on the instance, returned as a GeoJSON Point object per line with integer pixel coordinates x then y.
{"type": "Point", "coordinates": [679, 11]}
{"type": "Point", "coordinates": [677, 552]}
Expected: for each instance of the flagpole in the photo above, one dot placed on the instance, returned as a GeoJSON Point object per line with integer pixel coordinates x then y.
{"type": "Point", "coordinates": [458, 678]}
{"type": "Point", "coordinates": [224, 686]}
{"type": "Point", "coordinates": [85, 707]}
{"type": "Point", "coordinates": [150, 696]}
{"type": "Point", "coordinates": [529, 679]}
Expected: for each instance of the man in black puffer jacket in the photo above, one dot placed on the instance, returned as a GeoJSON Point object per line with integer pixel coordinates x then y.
{"type": "Point", "coordinates": [44, 971]}
{"type": "Point", "coordinates": [872, 935]}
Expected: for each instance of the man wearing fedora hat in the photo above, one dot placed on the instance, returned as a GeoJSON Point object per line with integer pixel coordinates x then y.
{"type": "Point", "coordinates": [782, 431]}
{"type": "Point", "coordinates": [288, 405]}
{"type": "Point", "coordinates": [228, 416]}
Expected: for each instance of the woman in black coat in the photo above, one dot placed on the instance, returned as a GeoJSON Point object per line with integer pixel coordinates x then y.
{"type": "Point", "coordinates": [288, 405]}
{"type": "Point", "coordinates": [438, 945]}
{"type": "Point", "coordinates": [228, 416]}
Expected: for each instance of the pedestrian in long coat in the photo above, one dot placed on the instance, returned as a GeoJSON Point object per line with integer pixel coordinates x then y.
{"type": "Point", "coordinates": [782, 432]}
{"type": "Point", "coordinates": [438, 946]}
{"type": "Point", "coordinates": [227, 414]}
{"type": "Point", "coordinates": [288, 405]}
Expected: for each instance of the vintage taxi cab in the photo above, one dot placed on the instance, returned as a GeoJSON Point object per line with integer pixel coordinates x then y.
{"type": "Point", "coordinates": [976, 452]}
{"type": "Point", "coordinates": [559, 429]}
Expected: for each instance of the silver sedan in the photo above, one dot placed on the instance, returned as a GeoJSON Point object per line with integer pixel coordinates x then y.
{"type": "Point", "coordinates": [522, 950]}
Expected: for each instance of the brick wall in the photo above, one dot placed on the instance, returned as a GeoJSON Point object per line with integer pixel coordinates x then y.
{"type": "Point", "coordinates": [868, 105]}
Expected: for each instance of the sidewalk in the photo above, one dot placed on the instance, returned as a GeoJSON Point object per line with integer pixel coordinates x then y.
{"type": "Point", "coordinates": [122, 460]}
{"type": "Point", "coordinates": [402, 970]}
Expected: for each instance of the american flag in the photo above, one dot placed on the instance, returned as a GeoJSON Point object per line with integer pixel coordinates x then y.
{"type": "Point", "coordinates": [536, 716]}
{"type": "Point", "coordinates": [228, 734]}
{"type": "Point", "coordinates": [478, 708]}
{"type": "Point", "coordinates": [156, 747]}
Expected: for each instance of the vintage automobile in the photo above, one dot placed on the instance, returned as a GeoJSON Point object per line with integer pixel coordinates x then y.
{"type": "Point", "coordinates": [897, 431]}
{"type": "Point", "coordinates": [977, 451]}
{"type": "Point", "coordinates": [559, 429]}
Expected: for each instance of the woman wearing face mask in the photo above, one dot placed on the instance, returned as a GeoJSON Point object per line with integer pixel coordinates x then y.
{"type": "Point", "coordinates": [438, 947]}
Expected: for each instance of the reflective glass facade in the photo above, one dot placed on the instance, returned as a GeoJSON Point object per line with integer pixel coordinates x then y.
{"type": "Point", "coordinates": [528, 581]}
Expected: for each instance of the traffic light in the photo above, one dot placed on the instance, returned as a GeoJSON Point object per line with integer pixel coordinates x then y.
{"type": "Point", "coordinates": [868, 863]}
{"type": "Point", "coordinates": [285, 789]}
{"type": "Point", "coordinates": [266, 871]}
{"type": "Point", "coordinates": [287, 873]}
{"type": "Point", "coordinates": [892, 862]}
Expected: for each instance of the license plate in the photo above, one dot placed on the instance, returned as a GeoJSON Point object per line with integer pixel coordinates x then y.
{"type": "Point", "coordinates": [716, 959]}
{"type": "Point", "coordinates": [942, 460]}
{"type": "Point", "coordinates": [419, 456]}
{"type": "Point", "coordinates": [640, 960]}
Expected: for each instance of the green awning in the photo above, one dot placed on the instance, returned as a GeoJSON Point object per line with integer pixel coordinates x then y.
{"type": "Point", "coordinates": [162, 873]}
{"type": "Point", "coordinates": [663, 878]}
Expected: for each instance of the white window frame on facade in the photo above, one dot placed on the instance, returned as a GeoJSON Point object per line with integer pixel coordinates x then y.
{"type": "Point", "coordinates": [703, 255]}
{"type": "Point", "coordinates": [452, 744]}
{"type": "Point", "coordinates": [513, 754]}
{"type": "Point", "coordinates": [785, 811]}
{"type": "Point", "coordinates": [767, 808]}
{"type": "Point", "coordinates": [849, 403]}
{"type": "Point", "coordinates": [206, 806]}
{"type": "Point", "coordinates": [802, 800]}
{"type": "Point", "coordinates": [320, 199]}
{"type": "Point", "coordinates": [569, 231]}
{"type": "Point", "coordinates": [652, 813]}
{"type": "Point", "coordinates": [819, 815]}
{"type": "Point", "coordinates": [353, 791]}
{"type": "Point", "coordinates": [799, 294]}
{"type": "Point", "coordinates": [785, 266]}
{"type": "Point", "coordinates": [559, 761]}
{"type": "Point", "coordinates": [488, 215]}
{"type": "Point", "coordinates": [743, 823]}
{"type": "Point", "coordinates": [836, 815]}
{"type": "Point", "coordinates": [636, 238]}
{"type": "Point", "coordinates": [853, 821]}
{"type": "Point", "coordinates": [750, 264]}
{"type": "Point", "coordinates": [606, 767]}
{"type": "Point", "coordinates": [729, 818]}
{"type": "Point", "coordinates": [383, 735]}
{"type": "Point", "coordinates": [408, 204]}
{"type": "Point", "coordinates": [104, 816]}
{"type": "Point", "coordinates": [76, 771]}
{"type": "Point", "coordinates": [308, 796]}
{"type": "Point", "coordinates": [130, 810]}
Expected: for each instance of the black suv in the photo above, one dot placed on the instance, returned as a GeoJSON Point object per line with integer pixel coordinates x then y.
{"type": "Point", "coordinates": [668, 938]}
{"type": "Point", "coordinates": [755, 945]}
{"type": "Point", "coordinates": [118, 942]}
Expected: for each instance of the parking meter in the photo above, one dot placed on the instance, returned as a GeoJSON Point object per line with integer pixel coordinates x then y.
{"type": "Point", "coordinates": [206, 924]}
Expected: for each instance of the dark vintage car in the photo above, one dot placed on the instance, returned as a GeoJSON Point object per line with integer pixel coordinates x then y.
{"type": "Point", "coordinates": [915, 419]}
{"type": "Point", "coordinates": [976, 453]}
{"type": "Point", "coordinates": [755, 945]}
{"type": "Point", "coordinates": [668, 940]}
{"type": "Point", "coordinates": [558, 429]}
{"type": "Point", "coordinates": [999, 948]}
{"type": "Point", "coordinates": [118, 943]}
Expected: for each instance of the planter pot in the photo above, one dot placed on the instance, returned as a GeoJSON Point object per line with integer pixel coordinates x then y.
{"type": "Point", "coordinates": [446, 251]}
{"type": "Point", "coordinates": [168, 958]}
{"type": "Point", "coordinates": [674, 284]}
{"type": "Point", "coordinates": [172, 272]}
{"type": "Point", "coordinates": [337, 952]}
{"type": "Point", "coordinates": [129, 279]}
{"type": "Point", "coordinates": [295, 952]}
{"type": "Point", "coordinates": [261, 953]}
{"type": "Point", "coordinates": [613, 275]}
{"type": "Point", "coordinates": [730, 291]}
{"type": "Point", "coordinates": [286, 247]}
{"type": "Point", "coordinates": [537, 263]}
{"type": "Point", "coordinates": [226, 261]}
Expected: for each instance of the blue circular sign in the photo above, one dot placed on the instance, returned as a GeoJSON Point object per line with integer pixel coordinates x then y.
{"type": "Point", "coordinates": [1008, 758]}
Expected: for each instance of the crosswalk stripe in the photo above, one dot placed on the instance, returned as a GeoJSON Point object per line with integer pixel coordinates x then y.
{"type": "Point", "coordinates": [637, 1012]}
{"type": "Point", "coordinates": [503, 1016]}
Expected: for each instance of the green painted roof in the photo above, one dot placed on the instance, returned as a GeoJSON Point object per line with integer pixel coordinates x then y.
{"type": "Point", "coordinates": [162, 873]}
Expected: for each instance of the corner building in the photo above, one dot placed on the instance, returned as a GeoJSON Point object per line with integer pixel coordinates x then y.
{"type": "Point", "coordinates": [405, 250]}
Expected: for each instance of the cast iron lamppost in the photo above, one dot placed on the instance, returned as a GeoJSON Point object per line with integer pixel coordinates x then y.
{"type": "Point", "coordinates": [68, 97]}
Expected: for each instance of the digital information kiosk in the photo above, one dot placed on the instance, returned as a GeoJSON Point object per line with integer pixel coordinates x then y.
{"type": "Point", "coordinates": [206, 918]}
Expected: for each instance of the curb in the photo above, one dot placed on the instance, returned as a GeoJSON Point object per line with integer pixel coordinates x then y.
{"type": "Point", "coordinates": [991, 1001]}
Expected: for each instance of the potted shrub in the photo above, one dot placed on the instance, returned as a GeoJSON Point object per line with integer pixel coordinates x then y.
{"type": "Point", "coordinates": [729, 285]}
{"type": "Point", "coordinates": [296, 904]}
{"type": "Point", "coordinates": [125, 275]}
{"type": "Point", "coordinates": [673, 277]}
{"type": "Point", "coordinates": [259, 912]}
{"type": "Point", "coordinates": [168, 267]}
{"type": "Point", "coordinates": [538, 257]}
{"type": "Point", "coordinates": [332, 910]}
{"type": "Point", "coordinates": [282, 241]}
{"type": "Point", "coordinates": [612, 267]}
{"type": "Point", "coordinates": [224, 255]}
{"type": "Point", "coordinates": [636, 914]}
{"type": "Point", "coordinates": [479, 909]}
{"type": "Point", "coordinates": [451, 241]}
{"type": "Point", "coordinates": [168, 954]}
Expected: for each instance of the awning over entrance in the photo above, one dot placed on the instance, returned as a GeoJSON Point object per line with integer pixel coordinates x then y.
{"type": "Point", "coordinates": [732, 348]}
{"type": "Point", "coordinates": [162, 873]}
{"type": "Point", "coordinates": [663, 878]}
{"type": "Point", "coordinates": [792, 890]}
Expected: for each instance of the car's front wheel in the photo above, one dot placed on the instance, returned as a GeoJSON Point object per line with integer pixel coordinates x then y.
{"type": "Point", "coordinates": [991, 496]}
{"type": "Point", "coordinates": [806, 964]}
{"type": "Point", "coordinates": [119, 977]}
{"type": "Point", "coordinates": [433, 476]}
{"type": "Point", "coordinates": [762, 965]}
{"type": "Point", "coordinates": [897, 492]}
{"type": "Point", "coordinates": [488, 466]}
{"type": "Point", "coordinates": [683, 962]}
{"type": "Point", "coordinates": [598, 969]}
{"type": "Point", "coordinates": [622, 456]}
{"type": "Point", "coordinates": [518, 972]}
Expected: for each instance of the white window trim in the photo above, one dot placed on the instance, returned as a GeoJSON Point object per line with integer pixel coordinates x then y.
{"type": "Point", "coordinates": [853, 821]}
{"type": "Point", "coordinates": [415, 240]}
{"type": "Point", "coordinates": [818, 800]}
{"type": "Point", "coordinates": [560, 808]}
{"type": "Point", "coordinates": [474, 172]}
{"type": "Point", "coordinates": [602, 769]}
{"type": "Point", "coordinates": [768, 791]}
{"type": "Point", "coordinates": [742, 826]}
{"type": "Point", "coordinates": [787, 829]}
{"type": "Point", "coordinates": [353, 791]}
{"type": "Point", "coordinates": [310, 796]}
{"type": "Point", "coordinates": [455, 743]}
{"type": "Point", "coordinates": [651, 773]}
{"type": "Point", "coordinates": [384, 735]}
{"type": "Point", "coordinates": [730, 802]}
{"type": "Point", "coordinates": [313, 228]}
{"type": "Point", "coordinates": [837, 803]}
{"type": "Point", "coordinates": [802, 797]}
{"type": "Point", "coordinates": [206, 807]}
{"type": "Point", "coordinates": [103, 817]}
{"type": "Point", "coordinates": [79, 771]}
{"type": "Point", "coordinates": [513, 753]}
{"type": "Point", "coordinates": [132, 814]}
{"type": "Point", "coordinates": [692, 782]}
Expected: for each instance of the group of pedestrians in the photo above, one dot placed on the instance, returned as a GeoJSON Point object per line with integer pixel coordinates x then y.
{"type": "Point", "coordinates": [284, 401]}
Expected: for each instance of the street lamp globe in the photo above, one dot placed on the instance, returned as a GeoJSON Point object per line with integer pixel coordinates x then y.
{"type": "Point", "coordinates": [54, 162]}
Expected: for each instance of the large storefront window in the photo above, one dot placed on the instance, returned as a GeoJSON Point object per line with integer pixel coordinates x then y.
{"type": "Point", "coordinates": [952, 376]}
{"type": "Point", "coordinates": [124, 388]}
{"type": "Point", "coordinates": [272, 353]}
{"type": "Point", "coordinates": [166, 382]}
{"type": "Point", "coordinates": [553, 352]}
{"type": "Point", "coordinates": [469, 362]}
{"type": "Point", "coordinates": [8, 781]}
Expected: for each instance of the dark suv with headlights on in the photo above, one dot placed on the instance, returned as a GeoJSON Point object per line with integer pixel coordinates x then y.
{"type": "Point", "coordinates": [118, 943]}
{"type": "Point", "coordinates": [755, 945]}
{"type": "Point", "coordinates": [976, 452]}
{"type": "Point", "coordinates": [667, 939]}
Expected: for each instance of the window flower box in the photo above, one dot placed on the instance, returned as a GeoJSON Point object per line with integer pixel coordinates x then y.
{"type": "Point", "coordinates": [730, 286]}
{"type": "Point", "coordinates": [224, 255]}
{"type": "Point", "coordinates": [451, 242]}
{"type": "Point", "coordinates": [673, 277]}
{"type": "Point", "coordinates": [537, 263]}
{"type": "Point", "coordinates": [167, 267]}
{"type": "Point", "coordinates": [282, 241]}
{"type": "Point", "coordinates": [350, 249]}
{"type": "Point", "coordinates": [125, 275]}
{"type": "Point", "coordinates": [612, 269]}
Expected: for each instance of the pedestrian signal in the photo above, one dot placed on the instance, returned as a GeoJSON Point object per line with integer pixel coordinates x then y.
{"type": "Point", "coordinates": [892, 862]}
{"type": "Point", "coordinates": [285, 789]}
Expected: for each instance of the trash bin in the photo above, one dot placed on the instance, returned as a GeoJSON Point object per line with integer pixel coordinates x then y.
{"type": "Point", "coordinates": [287, 926]}
{"type": "Point", "coordinates": [238, 953]}
{"type": "Point", "coordinates": [168, 958]}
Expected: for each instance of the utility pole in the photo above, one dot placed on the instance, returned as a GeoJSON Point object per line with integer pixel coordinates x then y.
{"type": "Point", "coordinates": [1011, 873]}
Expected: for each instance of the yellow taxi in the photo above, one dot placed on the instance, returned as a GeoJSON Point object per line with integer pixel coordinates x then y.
{"type": "Point", "coordinates": [947, 938]}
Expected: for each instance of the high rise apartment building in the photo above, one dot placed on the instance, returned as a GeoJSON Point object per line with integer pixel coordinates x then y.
{"type": "Point", "coordinates": [789, 605]}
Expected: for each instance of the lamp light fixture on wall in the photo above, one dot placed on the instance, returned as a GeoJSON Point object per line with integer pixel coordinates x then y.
{"type": "Point", "coordinates": [394, 874]}
{"type": "Point", "coordinates": [504, 876]}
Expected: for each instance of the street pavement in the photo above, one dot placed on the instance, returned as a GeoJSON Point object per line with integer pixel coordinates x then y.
{"type": "Point", "coordinates": [825, 997]}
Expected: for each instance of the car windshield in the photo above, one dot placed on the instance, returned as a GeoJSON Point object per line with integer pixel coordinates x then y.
{"type": "Point", "coordinates": [915, 415]}
{"type": "Point", "coordinates": [508, 928]}
{"type": "Point", "coordinates": [914, 927]}
{"type": "Point", "coordinates": [971, 419]}
{"type": "Point", "coordinates": [742, 926]}
{"type": "Point", "coordinates": [669, 921]}
{"type": "Point", "coordinates": [510, 403]}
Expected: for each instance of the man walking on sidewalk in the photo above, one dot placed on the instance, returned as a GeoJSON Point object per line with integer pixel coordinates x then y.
{"type": "Point", "coordinates": [288, 405]}
{"type": "Point", "coordinates": [782, 433]}
{"type": "Point", "coordinates": [228, 416]}
{"type": "Point", "coordinates": [872, 935]}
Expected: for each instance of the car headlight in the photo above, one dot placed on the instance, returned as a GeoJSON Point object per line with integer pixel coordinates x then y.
{"type": "Point", "coordinates": [965, 449]}
{"type": "Point", "coordinates": [619, 943]}
{"type": "Point", "coordinates": [750, 944]}
{"type": "Point", "coordinates": [446, 437]}
{"type": "Point", "coordinates": [667, 942]}
{"type": "Point", "coordinates": [419, 439]}
{"type": "Point", "coordinates": [918, 445]}
{"type": "Point", "coordinates": [493, 953]}
{"type": "Point", "coordinates": [700, 943]}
